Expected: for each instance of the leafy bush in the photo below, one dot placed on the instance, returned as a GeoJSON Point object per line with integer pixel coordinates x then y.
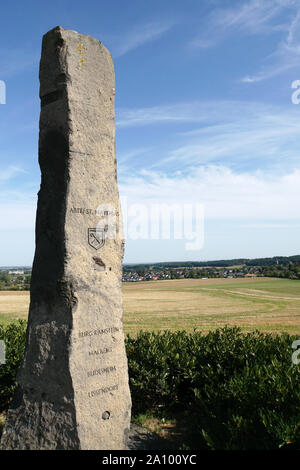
{"type": "Point", "coordinates": [243, 388]}
{"type": "Point", "coordinates": [14, 337]}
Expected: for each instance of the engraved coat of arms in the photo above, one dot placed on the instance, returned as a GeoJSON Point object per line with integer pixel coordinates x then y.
{"type": "Point", "coordinates": [96, 237]}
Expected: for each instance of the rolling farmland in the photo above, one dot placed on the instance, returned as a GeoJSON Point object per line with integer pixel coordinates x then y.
{"type": "Point", "coordinates": [271, 305]}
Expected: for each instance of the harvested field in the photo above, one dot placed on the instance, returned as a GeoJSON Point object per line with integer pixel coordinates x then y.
{"type": "Point", "coordinates": [271, 305]}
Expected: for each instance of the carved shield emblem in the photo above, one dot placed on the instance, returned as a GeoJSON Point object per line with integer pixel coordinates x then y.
{"type": "Point", "coordinates": [96, 237]}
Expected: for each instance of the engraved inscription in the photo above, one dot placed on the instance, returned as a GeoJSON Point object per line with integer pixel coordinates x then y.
{"type": "Point", "coordinates": [97, 352]}
{"type": "Point", "coordinates": [81, 153]}
{"type": "Point", "coordinates": [101, 371]}
{"type": "Point", "coordinates": [83, 210]}
{"type": "Point", "coordinates": [103, 331]}
{"type": "Point", "coordinates": [102, 390]}
{"type": "Point", "coordinates": [88, 211]}
{"type": "Point", "coordinates": [106, 213]}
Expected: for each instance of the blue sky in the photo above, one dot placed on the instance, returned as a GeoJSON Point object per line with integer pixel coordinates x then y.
{"type": "Point", "coordinates": [203, 115]}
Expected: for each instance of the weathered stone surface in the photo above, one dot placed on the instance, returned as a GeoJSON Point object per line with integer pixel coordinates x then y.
{"type": "Point", "coordinates": [73, 384]}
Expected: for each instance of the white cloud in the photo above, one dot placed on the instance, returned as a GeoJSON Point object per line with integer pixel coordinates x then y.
{"type": "Point", "coordinates": [138, 36]}
{"type": "Point", "coordinates": [225, 194]}
{"type": "Point", "coordinates": [10, 172]}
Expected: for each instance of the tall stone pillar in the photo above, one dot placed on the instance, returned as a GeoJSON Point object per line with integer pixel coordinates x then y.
{"type": "Point", "coordinates": [73, 384]}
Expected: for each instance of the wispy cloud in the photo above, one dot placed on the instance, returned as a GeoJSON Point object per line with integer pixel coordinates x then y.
{"type": "Point", "coordinates": [239, 134]}
{"type": "Point", "coordinates": [258, 17]}
{"type": "Point", "coordinates": [124, 157]}
{"type": "Point", "coordinates": [156, 114]}
{"type": "Point", "coordinates": [240, 159]}
{"type": "Point", "coordinates": [285, 57]}
{"type": "Point", "coordinates": [254, 16]}
{"type": "Point", "coordinates": [246, 17]}
{"type": "Point", "coordinates": [10, 172]}
{"type": "Point", "coordinates": [208, 112]}
{"type": "Point", "coordinates": [260, 143]}
{"type": "Point", "coordinates": [138, 36]}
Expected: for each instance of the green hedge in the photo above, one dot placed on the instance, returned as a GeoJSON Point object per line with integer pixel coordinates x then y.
{"type": "Point", "coordinates": [14, 337]}
{"type": "Point", "coordinates": [242, 390]}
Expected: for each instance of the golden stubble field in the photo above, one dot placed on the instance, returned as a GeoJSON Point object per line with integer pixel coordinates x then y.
{"type": "Point", "coordinates": [271, 305]}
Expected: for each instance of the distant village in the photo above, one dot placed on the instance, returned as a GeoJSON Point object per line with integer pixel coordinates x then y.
{"type": "Point", "coordinates": [290, 272]}
{"type": "Point", "coordinates": [189, 273]}
{"type": "Point", "coordinates": [15, 278]}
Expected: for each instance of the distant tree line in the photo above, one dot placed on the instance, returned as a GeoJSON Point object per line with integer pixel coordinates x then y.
{"type": "Point", "coordinates": [290, 271]}
{"type": "Point", "coordinates": [275, 260]}
{"type": "Point", "coordinates": [166, 271]}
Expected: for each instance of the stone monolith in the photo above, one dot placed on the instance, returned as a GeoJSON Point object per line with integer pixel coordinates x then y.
{"type": "Point", "coordinates": [73, 390]}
